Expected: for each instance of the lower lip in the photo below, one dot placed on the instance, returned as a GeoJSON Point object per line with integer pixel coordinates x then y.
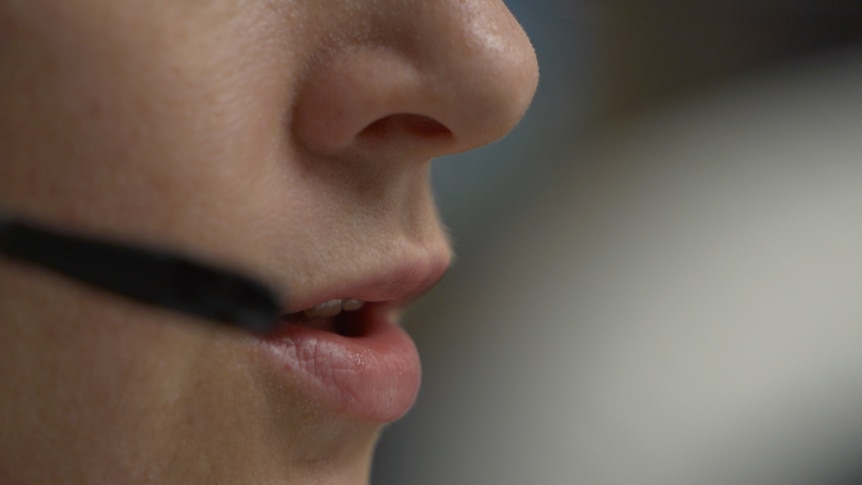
{"type": "Point", "coordinates": [373, 377]}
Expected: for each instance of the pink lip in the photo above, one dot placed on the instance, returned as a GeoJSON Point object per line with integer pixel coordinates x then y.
{"type": "Point", "coordinates": [374, 376]}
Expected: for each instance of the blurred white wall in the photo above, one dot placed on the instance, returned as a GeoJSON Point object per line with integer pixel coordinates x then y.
{"type": "Point", "coordinates": [684, 306]}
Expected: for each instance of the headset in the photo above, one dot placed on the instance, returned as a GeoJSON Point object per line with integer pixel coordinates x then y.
{"type": "Point", "coordinates": [153, 276]}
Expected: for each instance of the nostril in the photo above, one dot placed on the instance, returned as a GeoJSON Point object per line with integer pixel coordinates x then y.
{"type": "Point", "coordinates": [406, 125]}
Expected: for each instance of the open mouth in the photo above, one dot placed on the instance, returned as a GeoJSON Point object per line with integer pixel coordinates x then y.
{"type": "Point", "coordinates": [352, 354]}
{"type": "Point", "coordinates": [341, 316]}
{"type": "Point", "coordinates": [344, 346]}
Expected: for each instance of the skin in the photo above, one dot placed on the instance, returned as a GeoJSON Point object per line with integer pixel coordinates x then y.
{"type": "Point", "coordinates": [288, 138]}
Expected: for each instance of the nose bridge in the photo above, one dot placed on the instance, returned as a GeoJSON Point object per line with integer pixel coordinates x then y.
{"type": "Point", "coordinates": [419, 77]}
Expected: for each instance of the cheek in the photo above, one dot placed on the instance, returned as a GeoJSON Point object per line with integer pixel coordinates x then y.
{"type": "Point", "coordinates": [173, 131]}
{"type": "Point", "coordinates": [69, 380]}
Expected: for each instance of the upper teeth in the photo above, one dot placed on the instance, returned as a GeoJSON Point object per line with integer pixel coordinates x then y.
{"type": "Point", "coordinates": [332, 308]}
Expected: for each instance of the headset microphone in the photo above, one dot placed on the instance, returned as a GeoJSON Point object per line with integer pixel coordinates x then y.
{"type": "Point", "coordinates": [148, 275]}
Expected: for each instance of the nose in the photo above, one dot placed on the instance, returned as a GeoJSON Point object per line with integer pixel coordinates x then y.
{"type": "Point", "coordinates": [416, 79]}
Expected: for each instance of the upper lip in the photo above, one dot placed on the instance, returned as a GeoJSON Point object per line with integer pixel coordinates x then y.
{"type": "Point", "coordinates": [397, 284]}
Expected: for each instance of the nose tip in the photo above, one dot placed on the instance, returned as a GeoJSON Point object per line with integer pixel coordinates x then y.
{"type": "Point", "coordinates": [438, 78]}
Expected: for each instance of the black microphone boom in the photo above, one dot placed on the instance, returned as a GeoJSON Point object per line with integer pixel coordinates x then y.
{"type": "Point", "coordinates": [148, 275]}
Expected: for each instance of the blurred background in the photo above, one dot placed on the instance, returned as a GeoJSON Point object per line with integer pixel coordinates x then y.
{"type": "Point", "coordinates": [660, 276]}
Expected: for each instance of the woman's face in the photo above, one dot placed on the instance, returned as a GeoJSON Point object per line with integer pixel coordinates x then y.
{"type": "Point", "coordinates": [289, 138]}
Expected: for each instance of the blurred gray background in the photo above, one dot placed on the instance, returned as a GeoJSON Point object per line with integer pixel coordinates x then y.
{"type": "Point", "coordinates": [659, 277]}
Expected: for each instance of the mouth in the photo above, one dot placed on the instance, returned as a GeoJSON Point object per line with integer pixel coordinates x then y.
{"type": "Point", "coordinates": [346, 349]}
{"type": "Point", "coordinates": [340, 316]}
